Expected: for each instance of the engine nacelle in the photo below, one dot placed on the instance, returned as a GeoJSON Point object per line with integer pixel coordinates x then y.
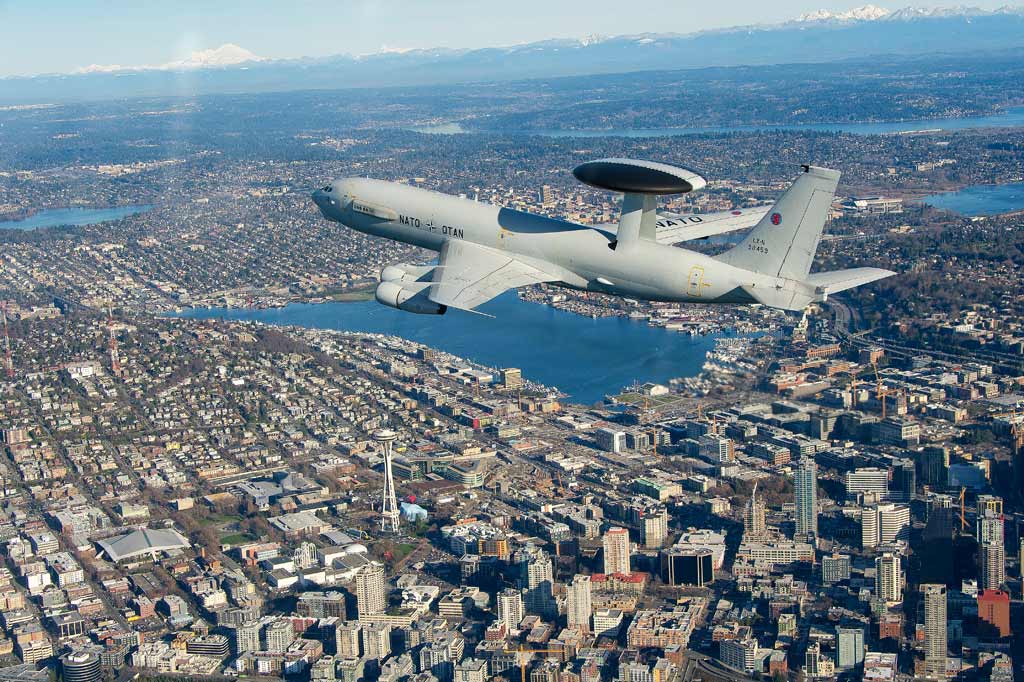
{"type": "Point", "coordinates": [411, 298]}
{"type": "Point", "coordinates": [402, 272]}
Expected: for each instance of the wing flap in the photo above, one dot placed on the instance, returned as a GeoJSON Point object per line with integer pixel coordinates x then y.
{"type": "Point", "coordinates": [468, 274]}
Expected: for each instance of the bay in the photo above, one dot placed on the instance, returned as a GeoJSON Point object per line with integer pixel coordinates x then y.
{"type": "Point", "coordinates": [583, 357]}
{"type": "Point", "coordinates": [981, 200]}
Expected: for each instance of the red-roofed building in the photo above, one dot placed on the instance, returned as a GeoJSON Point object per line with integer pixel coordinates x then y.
{"type": "Point", "coordinates": [994, 613]}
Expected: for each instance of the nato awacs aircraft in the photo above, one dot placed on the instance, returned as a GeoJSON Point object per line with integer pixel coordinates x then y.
{"type": "Point", "coordinates": [486, 250]}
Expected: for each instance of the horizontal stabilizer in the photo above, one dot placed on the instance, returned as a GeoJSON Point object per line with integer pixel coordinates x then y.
{"type": "Point", "coordinates": [841, 280]}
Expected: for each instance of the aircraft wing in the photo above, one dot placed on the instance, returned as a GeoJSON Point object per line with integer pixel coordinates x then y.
{"type": "Point", "coordinates": [673, 228]}
{"type": "Point", "coordinates": [468, 274]}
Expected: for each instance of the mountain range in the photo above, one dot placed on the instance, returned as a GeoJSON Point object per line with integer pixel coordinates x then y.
{"type": "Point", "coordinates": [820, 36]}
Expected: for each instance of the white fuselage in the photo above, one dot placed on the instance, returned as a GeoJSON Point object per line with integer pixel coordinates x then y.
{"type": "Point", "coordinates": [580, 254]}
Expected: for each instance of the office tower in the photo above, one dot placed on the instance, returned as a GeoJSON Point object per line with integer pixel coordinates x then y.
{"type": "Point", "coordinates": [849, 647]}
{"type": "Point", "coordinates": [884, 523]}
{"type": "Point", "coordinates": [935, 630]}
{"type": "Point", "coordinates": [994, 613]}
{"type": "Point", "coordinates": [753, 516]}
{"type": "Point", "coordinates": [871, 482]}
{"type": "Point", "coordinates": [371, 596]}
{"type": "Point", "coordinates": [616, 551]}
{"type": "Point", "coordinates": [889, 578]}
{"type": "Point", "coordinates": [347, 637]}
{"type": "Point", "coordinates": [682, 566]}
{"type": "Point", "coordinates": [536, 577]}
{"type": "Point", "coordinates": [578, 604]}
{"type": "Point", "coordinates": [990, 503]}
{"type": "Point", "coordinates": [377, 640]}
{"type": "Point", "coordinates": [806, 497]}
{"type": "Point", "coordinates": [991, 564]}
{"type": "Point", "coordinates": [390, 515]}
{"type": "Point", "coordinates": [81, 666]}
{"type": "Point", "coordinates": [904, 481]}
{"type": "Point", "coordinates": [933, 465]}
{"type": "Point", "coordinates": [510, 608]}
{"type": "Point", "coordinates": [654, 529]}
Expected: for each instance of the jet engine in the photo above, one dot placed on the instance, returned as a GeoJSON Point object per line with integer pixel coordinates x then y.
{"type": "Point", "coordinates": [409, 296]}
{"type": "Point", "coordinates": [402, 272]}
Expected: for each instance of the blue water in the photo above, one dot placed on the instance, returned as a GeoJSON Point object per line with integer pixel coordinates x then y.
{"type": "Point", "coordinates": [585, 358]}
{"type": "Point", "coordinates": [77, 216]}
{"type": "Point", "coordinates": [1012, 117]}
{"type": "Point", "coordinates": [978, 200]}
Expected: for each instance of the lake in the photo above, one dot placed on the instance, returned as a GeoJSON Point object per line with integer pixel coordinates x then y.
{"type": "Point", "coordinates": [583, 357]}
{"type": "Point", "coordinates": [981, 200]}
{"type": "Point", "coordinates": [1012, 117]}
{"type": "Point", "coordinates": [76, 216]}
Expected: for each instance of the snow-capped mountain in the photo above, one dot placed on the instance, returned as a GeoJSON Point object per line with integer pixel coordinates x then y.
{"type": "Point", "coordinates": [816, 37]}
{"type": "Point", "coordinates": [865, 13]}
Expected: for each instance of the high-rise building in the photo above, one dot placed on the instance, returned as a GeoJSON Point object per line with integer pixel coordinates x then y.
{"type": "Point", "coordinates": [994, 613]}
{"type": "Point", "coordinates": [512, 377]}
{"type": "Point", "coordinates": [81, 666]}
{"type": "Point", "coordinates": [510, 608]}
{"type": "Point", "coordinates": [904, 480]}
{"type": "Point", "coordinates": [870, 482]}
{"type": "Point", "coordinates": [245, 637]}
{"type": "Point", "coordinates": [991, 564]}
{"type": "Point", "coordinates": [849, 647]}
{"type": "Point", "coordinates": [610, 440]}
{"type": "Point", "coordinates": [278, 635]}
{"type": "Point", "coordinates": [347, 637]}
{"type": "Point", "coordinates": [754, 524]}
{"type": "Point", "coordinates": [935, 630]}
{"type": "Point", "coordinates": [377, 640]}
{"type": "Point", "coordinates": [654, 528]}
{"type": "Point", "coordinates": [991, 526]}
{"type": "Point", "coordinates": [884, 524]}
{"type": "Point", "coordinates": [933, 465]}
{"type": "Point", "coordinates": [323, 670]}
{"type": "Point", "coordinates": [616, 551]}
{"type": "Point", "coordinates": [371, 596]}
{"type": "Point", "coordinates": [536, 577]}
{"type": "Point", "coordinates": [889, 578]}
{"type": "Point", "coordinates": [578, 603]}
{"type": "Point", "coordinates": [687, 566]}
{"type": "Point", "coordinates": [806, 498]}
{"type": "Point", "coordinates": [990, 503]}
{"type": "Point", "coordinates": [817, 664]}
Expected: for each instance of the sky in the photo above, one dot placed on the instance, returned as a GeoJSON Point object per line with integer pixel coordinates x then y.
{"type": "Point", "coordinates": [61, 36]}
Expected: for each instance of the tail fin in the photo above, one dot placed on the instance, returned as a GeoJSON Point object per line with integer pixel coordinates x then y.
{"type": "Point", "coordinates": [784, 242]}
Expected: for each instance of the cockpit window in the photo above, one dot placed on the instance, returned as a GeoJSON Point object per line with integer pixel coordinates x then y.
{"type": "Point", "coordinates": [328, 189]}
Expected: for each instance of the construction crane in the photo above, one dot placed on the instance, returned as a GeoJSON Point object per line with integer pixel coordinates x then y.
{"type": "Point", "coordinates": [524, 661]}
{"type": "Point", "coordinates": [963, 518]}
{"type": "Point", "coordinates": [8, 358]}
{"type": "Point", "coordinates": [882, 392]}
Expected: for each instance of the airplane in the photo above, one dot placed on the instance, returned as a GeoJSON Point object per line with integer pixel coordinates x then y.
{"type": "Point", "coordinates": [485, 250]}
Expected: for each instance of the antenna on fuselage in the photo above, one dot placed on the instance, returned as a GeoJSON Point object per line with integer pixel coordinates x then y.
{"type": "Point", "coordinates": [641, 183]}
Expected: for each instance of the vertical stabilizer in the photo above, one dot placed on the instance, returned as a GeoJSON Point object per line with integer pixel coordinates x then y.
{"type": "Point", "coordinates": [784, 242]}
